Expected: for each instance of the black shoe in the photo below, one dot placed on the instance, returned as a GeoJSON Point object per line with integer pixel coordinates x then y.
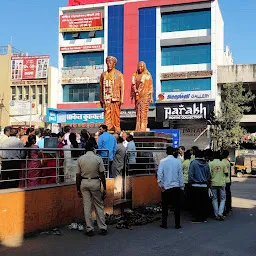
{"type": "Point", "coordinates": [177, 226]}
{"type": "Point", "coordinates": [90, 233]}
{"type": "Point", "coordinates": [221, 218]}
{"type": "Point", "coordinates": [103, 232]}
{"type": "Point", "coordinates": [163, 226]}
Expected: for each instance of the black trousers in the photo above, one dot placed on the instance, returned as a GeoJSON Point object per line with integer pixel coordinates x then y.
{"type": "Point", "coordinates": [199, 202]}
{"type": "Point", "coordinates": [171, 196]}
{"type": "Point", "coordinates": [228, 198]}
{"type": "Point", "coordinates": [187, 197]}
{"type": "Point", "coordinates": [10, 175]}
{"type": "Point", "coordinates": [110, 169]}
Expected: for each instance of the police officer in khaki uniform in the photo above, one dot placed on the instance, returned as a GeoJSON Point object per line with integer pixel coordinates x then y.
{"type": "Point", "coordinates": [90, 175]}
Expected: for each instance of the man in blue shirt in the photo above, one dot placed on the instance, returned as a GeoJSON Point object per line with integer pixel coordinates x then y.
{"type": "Point", "coordinates": [171, 181]}
{"type": "Point", "coordinates": [107, 142]}
{"type": "Point", "coordinates": [131, 147]}
{"type": "Point", "coordinates": [47, 134]}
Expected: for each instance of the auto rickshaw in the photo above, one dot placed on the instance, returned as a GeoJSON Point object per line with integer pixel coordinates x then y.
{"type": "Point", "coordinates": [245, 164]}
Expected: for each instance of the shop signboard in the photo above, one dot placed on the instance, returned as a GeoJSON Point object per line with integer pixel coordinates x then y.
{"type": "Point", "coordinates": [185, 75]}
{"type": "Point", "coordinates": [74, 117]}
{"type": "Point", "coordinates": [81, 48]}
{"type": "Point", "coordinates": [30, 82]}
{"type": "Point", "coordinates": [131, 113]}
{"type": "Point", "coordinates": [29, 67]}
{"type": "Point", "coordinates": [22, 107]}
{"type": "Point", "coordinates": [82, 75]}
{"type": "Point", "coordinates": [81, 22]}
{"type": "Point", "coordinates": [83, 2]}
{"type": "Point", "coordinates": [184, 111]}
{"type": "Point", "coordinates": [175, 135]}
{"type": "Point", "coordinates": [181, 96]}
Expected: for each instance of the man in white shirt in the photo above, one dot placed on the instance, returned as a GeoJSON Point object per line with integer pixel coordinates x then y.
{"type": "Point", "coordinates": [67, 131]}
{"type": "Point", "coordinates": [124, 136]}
{"type": "Point", "coordinates": [181, 153]}
{"type": "Point", "coordinates": [5, 136]}
{"type": "Point", "coordinates": [11, 160]}
{"type": "Point", "coordinates": [171, 181]}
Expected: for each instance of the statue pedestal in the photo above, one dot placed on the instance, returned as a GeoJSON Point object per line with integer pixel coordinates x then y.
{"type": "Point", "coordinates": [151, 147]}
{"type": "Point", "coordinates": [152, 140]}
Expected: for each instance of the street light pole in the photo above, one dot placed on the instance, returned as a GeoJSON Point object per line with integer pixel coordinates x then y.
{"type": "Point", "coordinates": [1, 109]}
{"type": "Point", "coordinates": [30, 111]}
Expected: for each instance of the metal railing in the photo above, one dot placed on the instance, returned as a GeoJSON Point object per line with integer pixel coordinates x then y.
{"type": "Point", "coordinates": [31, 167]}
{"type": "Point", "coordinates": [143, 161]}
{"type": "Point", "coordinates": [39, 167]}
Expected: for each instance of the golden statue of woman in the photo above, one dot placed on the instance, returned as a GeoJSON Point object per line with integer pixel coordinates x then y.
{"type": "Point", "coordinates": [142, 92]}
{"type": "Point", "coordinates": [112, 94]}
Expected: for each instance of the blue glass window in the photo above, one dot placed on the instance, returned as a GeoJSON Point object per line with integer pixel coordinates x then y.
{"type": "Point", "coordinates": [116, 34]}
{"type": "Point", "coordinates": [183, 85]}
{"type": "Point", "coordinates": [83, 35]}
{"type": "Point", "coordinates": [147, 40]}
{"type": "Point", "coordinates": [189, 20]}
{"type": "Point", "coordinates": [83, 59]}
{"type": "Point", "coordinates": [81, 93]}
{"type": "Point", "coordinates": [186, 54]}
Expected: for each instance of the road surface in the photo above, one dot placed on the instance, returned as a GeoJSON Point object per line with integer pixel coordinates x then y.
{"type": "Point", "coordinates": [236, 236]}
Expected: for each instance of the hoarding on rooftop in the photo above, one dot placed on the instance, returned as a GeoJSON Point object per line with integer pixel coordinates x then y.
{"type": "Point", "coordinates": [81, 22]}
{"type": "Point", "coordinates": [29, 67]}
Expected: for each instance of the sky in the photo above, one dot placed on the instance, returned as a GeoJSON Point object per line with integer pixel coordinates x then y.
{"type": "Point", "coordinates": [33, 27]}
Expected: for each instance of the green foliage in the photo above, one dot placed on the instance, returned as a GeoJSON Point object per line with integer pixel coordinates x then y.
{"type": "Point", "coordinates": [227, 132]}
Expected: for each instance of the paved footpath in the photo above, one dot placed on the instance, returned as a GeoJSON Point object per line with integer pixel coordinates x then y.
{"type": "Point", "coordinates": [236, 236]}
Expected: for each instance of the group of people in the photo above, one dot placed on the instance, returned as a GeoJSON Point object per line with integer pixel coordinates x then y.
{"type": "Point", "coordinates": [33, 166]}
{"type": "Point", "coordinates": [205, 178]}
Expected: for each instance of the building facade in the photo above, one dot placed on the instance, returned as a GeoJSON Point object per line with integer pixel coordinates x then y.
{"type": "Point", "coordinates": [28, 88]}
{"type": "Point", "coordinates": [182, 43]}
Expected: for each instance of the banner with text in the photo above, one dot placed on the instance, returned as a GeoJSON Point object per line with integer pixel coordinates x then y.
{"type": "Point", "coordinates": [82, 75]}
{"type": "Point", "coordinates": [22, 108]}
{"type": "Point", "coordinates": [74, 117]}
{"type": "Point", "coordinates": [29, 67]}
{"type": "Point", "coordinates": [181, 96]}
{"type": "Point", "coordinates": [184, 111]}
{"type": "Point", "coordinates": [81, 48]}
{"type": "Point", "coordinates": [81, 22]}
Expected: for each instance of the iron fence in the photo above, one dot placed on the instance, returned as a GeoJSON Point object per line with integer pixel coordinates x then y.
{"type": "Point", "coordinates": [143, 161]}
{"type": "Point", "coordinates": [30, 167]}
{"type": "Point", "coordinates": [59, 165]}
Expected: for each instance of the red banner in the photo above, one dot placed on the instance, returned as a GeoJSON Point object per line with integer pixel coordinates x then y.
{"type": "Point", "coordinates": [29, 67]}
{"type": "Point", "coordinates": [84, 2]}
{"type": "Point", "coordinates": [81, 22]}
{"type": "Point", "coordinates": [80, 48]}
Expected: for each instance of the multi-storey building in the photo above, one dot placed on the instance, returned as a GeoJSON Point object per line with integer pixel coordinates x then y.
{"type": "Point", "coordinates": [182, 43]}
{"type": "Point", "coordinates": [27, 88]}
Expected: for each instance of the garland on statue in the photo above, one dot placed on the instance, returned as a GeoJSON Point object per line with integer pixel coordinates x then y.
{"type": "Point", "coordinates": [108, 86]}
{"type": "Point", "coordinates": [145, 76]}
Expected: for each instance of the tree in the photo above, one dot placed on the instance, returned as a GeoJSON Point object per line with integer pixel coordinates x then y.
{"type": "Point", "coordinates": [227, 132]}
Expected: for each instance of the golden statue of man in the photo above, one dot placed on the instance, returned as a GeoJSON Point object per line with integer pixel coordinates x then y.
{"type": "Point", "coordinates": [112, 94]}
{"type": "Point", "coordinates": [142, 92]}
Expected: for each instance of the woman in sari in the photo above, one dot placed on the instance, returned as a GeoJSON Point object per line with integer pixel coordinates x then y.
{"type": "Point", "coordinates": [24, 138]}
{"type": "Point", "coordinates": [142, 92]}
{"type": "Point", "coordinates": [34, 163]}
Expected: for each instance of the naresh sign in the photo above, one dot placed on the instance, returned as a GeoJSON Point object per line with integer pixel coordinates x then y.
{"type": "Point", "coordinates": [84, 2]}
